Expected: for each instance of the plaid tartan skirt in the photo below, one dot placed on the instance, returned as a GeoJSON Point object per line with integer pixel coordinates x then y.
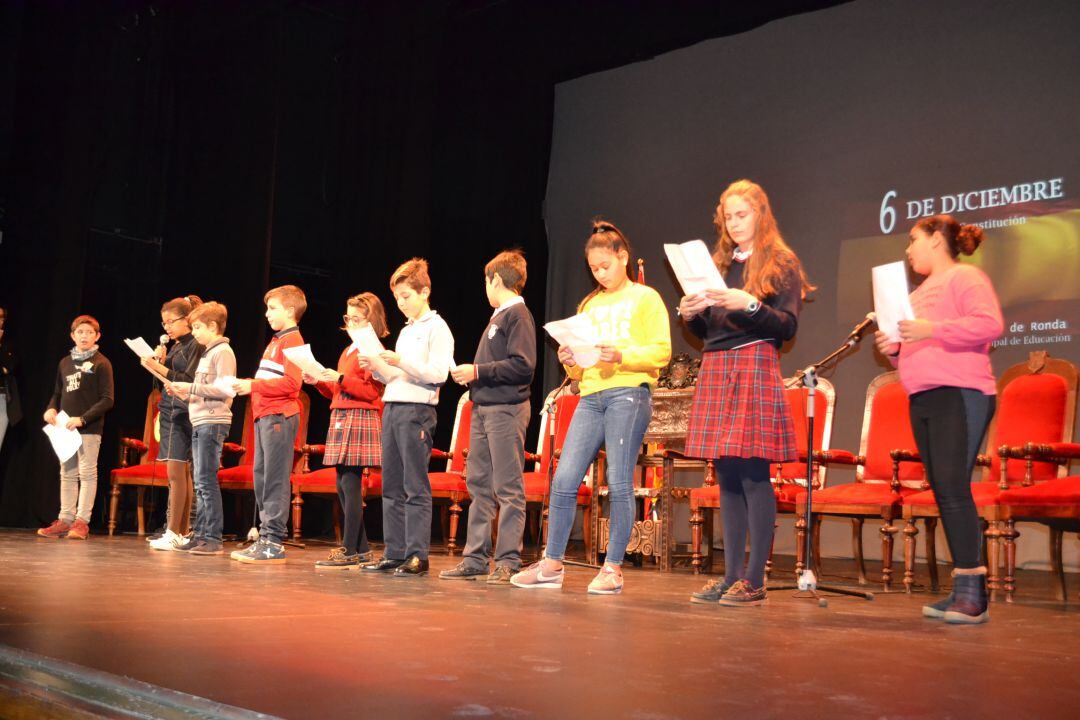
{"type": "Point", "coordinates": [739, 407]}
{"type": "Point", "coordinates": [354, 438]}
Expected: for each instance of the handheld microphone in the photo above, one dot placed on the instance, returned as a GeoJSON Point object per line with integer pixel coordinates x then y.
{"type": "Point", "coordinates": [857, 333]}
{"type": "Point", "coordinates": [163, 339]}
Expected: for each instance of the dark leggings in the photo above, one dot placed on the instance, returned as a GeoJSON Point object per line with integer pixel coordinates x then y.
{"type": "Point", "coordinates": [350, 494]}
{"type": "Point", "coordinates": [949, 424]}
{"type": "Point", "coordinates": [747, 503]}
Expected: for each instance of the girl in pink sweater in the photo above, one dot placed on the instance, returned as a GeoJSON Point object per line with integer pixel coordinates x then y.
{"type": "Point", "coordinates": [944, 364]}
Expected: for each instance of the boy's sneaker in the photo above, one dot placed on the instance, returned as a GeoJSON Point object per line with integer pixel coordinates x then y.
{"type": "Point", "coordinates": [937, 610]}
{"type": "Point", "coordinates": [740, 594]}
{"type": "Point", "coordinates": [501, 575]}
{"type": "Point", "coordinates": [206, 547]}
{"type": "Point", "coordinates": [156, 534]}
{"type": "Point", "coordinates": [186, 544]}
{"type": "Point", "coordinates": [168, 541]}
{"type": "Point", "coordinates": [340, 559]}
{"type": "Point", "coordinates": [58, 529]}
{"type": "Point", "coordinates": [263, 552]}
{"type": "Point", "coordinates": [463, 571]}
{"type": "Point", "coordinates": [534, 577]}
{"type": "Point", "coordinates": [711, 593]}
{"type": "Point", "coordinates": [609, 581]}
{"type": "Point", "coordinates": [80, 530]}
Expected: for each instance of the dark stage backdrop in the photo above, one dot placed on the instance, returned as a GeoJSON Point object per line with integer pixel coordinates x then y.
{"type": "Point", "coordinates": [856, 120]}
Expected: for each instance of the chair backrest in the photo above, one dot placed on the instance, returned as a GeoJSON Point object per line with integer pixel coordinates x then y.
{"type": "Point", "coordinates": [149, 437]}
{"type": "Point", "coordinates": [1036, 403]}
{"type": "Point", "coordinates": [247, 439]}
{"type": "Point", "coordinates": [564, 413]}
{"type": "Point", "coordinates": [459, 440]}
{"type": "Point", "coordinates": [824, 406]}
{"type": "Point", "coordinates": [887, 427]}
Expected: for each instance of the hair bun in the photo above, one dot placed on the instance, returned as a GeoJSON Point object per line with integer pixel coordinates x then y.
{"type": "Point", "coordinates": [969, 238]}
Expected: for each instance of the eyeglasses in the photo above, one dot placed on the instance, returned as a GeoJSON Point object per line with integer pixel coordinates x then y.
{"type": "Point", "coordinates": [353, 319]}
{"type": "Point", "coordinates": [169, 323]}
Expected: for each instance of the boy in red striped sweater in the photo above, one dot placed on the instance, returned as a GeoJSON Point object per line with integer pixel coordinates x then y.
{"type": "Point", "coordinates": [275, 407]}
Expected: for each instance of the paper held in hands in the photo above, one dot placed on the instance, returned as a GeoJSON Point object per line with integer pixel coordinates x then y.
{"type": "Point", "coordinates": [579, 334]}
{"type": "Point", "coordinates": [694, 267]}
{"type": "Point", "coordinates": [139, 347]}
{"type": "Point", "coordinates": [65, 443]}
{"type": "Point", "coordinates": [891, 298]}
{"type": "Point", "coordinates": [369, 346]}
{"type": "Point", "coordinates": [303, 358]}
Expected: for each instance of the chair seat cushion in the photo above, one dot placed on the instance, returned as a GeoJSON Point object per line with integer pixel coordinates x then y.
{"type": "Point", "coordinates": [984, 493]}
{"type": "Point", "coordinates": [536, 484]}
{"type": "Point", "coordinates": [239, 475]}
{"type": "Point", "coordinates": [447, 482]}
{"type": "Point", "coordinates": [860, 493]}
{"type": "Point", "coordinates": [146, 471]}
{"type": "Point", "coordinates": [325, 477]}
{"type": "Point", "coordinates": [1060, 491]}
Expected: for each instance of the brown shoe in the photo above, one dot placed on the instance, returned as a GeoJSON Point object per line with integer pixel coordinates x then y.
{"type": "Point", "coordinates": [79, 530]}
{"type": "Point", "coordinates": [58, 529]}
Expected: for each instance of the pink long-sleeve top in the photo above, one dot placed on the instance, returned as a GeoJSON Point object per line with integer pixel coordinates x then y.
{"type": "Point", "coordinates": [967, 318]}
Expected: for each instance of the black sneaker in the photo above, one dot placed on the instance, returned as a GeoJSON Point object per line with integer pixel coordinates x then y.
{"type": "Point", "coordinates": [206, 547]}
{"type": "Point", "coordinates": [340, 559]}
{"type": "Point", "coordinates": [711, 593]}
{"type": "Point", "coordinates": [971, 605]}
{"type": "Point", "coordinates": [937, 610]}
{"type": "Point", "coordinates": [501, 575]}
{"type": "Point", "coordinates": [463, 571]}
{"type": "Point", "coordinates": [187, 544]}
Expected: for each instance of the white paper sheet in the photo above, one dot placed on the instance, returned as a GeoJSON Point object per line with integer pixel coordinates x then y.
{"type": "Point", "coordinates": [891, 298]}
{"type": "Point", "coordinates": [694, 267]}
{"type": "Point", "coordinates": [365, 341]}
{"type": "Point", "coordinates": [224, 383]}
{"type": "Point", "coordinates": [580, 335]}
{"type": "Point", "coordinates": [139, 347]}
{"type": "Point", "coordinates": [65, 443]}
{"type": "Point", "coordinates": [303, 358]}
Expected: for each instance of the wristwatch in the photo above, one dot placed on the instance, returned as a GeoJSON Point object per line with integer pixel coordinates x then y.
{"type": "Point", "coordinates": [752, 306]}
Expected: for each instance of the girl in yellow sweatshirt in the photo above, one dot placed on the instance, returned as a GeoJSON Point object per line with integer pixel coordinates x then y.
{"type": "Point", "coordinates": [615, 407]}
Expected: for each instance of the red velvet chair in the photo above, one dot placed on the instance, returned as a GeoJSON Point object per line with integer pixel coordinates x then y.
{"type": "Point", "coordinates": [1054, 503]}
{"type": "Point", "coordinates": [240, 477]}
{"type": "Point", "coordinates": [881, 484]}
{"type": "Point", "coordinates": [547, 458]}
{"type": "Point", "coordinates": [145, 472]}
{"type": "Point", "coordinates": [789, 479]}
{"type": "Point", "coordinates": [1036, 403]}
{"type": "Point", "coordinates": [447, 486]}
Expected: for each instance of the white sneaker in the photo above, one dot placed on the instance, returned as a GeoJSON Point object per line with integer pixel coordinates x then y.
{"type": "Point", "coordinates": [168, 541]}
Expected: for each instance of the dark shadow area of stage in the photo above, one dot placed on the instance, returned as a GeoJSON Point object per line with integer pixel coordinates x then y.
{"type": "Point", "coordinates": [295, 643]}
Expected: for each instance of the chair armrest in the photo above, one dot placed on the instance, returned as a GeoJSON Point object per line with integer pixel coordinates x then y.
{"type": "Point", "coordinates": [1053, 452]}
{"type": "Point", "coordinates": [532, 457]}
{"type": "Point", "coordinates": [313, 449]}
{"type": "Point", "coordinates": [133, 444]}
{"type": "Point", "coordinates": [838, 457]}
{"type": "Point", "coordinates": [437, 454]}
{"type": "Point", "coordinates": [233, 448]}
{"type": "Point", "coordinates": [905, 456]}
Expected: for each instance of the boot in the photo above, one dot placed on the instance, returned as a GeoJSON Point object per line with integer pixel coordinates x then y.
{"type": "Point", "coordinates": [971, 604]}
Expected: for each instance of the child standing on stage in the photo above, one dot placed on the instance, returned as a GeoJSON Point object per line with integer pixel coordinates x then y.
{"type": "Point", "coordinates": [275, 407]}
{"type": "Point", "coordinates": [614, 410]}
{"type": "Point", "coordinates": [740, 417]}
{"type": "Point", "coordinates": [210, 410]}
{"type": "Point", "coordinates": [417, 368]}
{"type": "Point", "coordinates": [353, 440]}
{"type": "Point", "coordinates": [499, 381]}
{"type": "Point", "coordinates": [944, 363]}
{"type": "Point", "coordinates": [84, 390]}
{"type": "Point", "coordinates": [174, 449]}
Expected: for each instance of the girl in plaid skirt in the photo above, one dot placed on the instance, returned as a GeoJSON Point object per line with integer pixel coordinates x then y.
{"type": "Point", "coordinates": [740, 418]}
{"type": "Point", "coordinates": [353, 441]}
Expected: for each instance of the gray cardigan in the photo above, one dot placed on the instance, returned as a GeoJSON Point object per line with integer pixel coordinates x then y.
{"type": "Point", "coordinates": [208, 404]}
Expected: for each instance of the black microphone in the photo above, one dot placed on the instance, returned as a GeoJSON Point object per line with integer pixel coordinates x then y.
{"type": "Point", "coordinates": [857, 333]}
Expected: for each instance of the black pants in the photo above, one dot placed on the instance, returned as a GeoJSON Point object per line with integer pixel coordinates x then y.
{"type": "Point", "coordinates": [351, 496]}
{"type": "Point", "coordinates": [747, 505]}
{"type": "Point", "coordinates": [406, 495]}
{"type": "Point", "coordinates": [949, 424]}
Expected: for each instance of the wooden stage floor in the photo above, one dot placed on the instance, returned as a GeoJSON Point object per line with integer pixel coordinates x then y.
{"type": "Point", "coordinates": [293, 643]}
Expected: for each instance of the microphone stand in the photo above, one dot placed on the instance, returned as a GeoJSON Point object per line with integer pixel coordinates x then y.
{"type": "Point", "coordinates": [550, 411]}
{"type": "Point", "coordinates": [808, 378]}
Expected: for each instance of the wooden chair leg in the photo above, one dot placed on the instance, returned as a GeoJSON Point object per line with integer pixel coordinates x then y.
{"type": "Point", "coordinates": [140, 510]}
{"type": "Point", "coordinates": [910, 531]}
{"type": "Point", "coordinates": [1056, 564]}
{"type": "Point", "coordinates": [297, 510]}
{"type": "Point", "coordinates": [857, 543]}
{"type": "Point", "coordinates": [888, 530]}
{"type": "Point", "coordinates": [114, 503]}
{"type": "Point", "coordinates": [992, 534]}
{"type": "Point", "coordinates": [455, 516]}
{"type": "Point", "coordinates": [800, 544]}
{"type": "Point", "coordinates": [1010, 534]}
{"type": "Point", "coordinates": [696, 521]}
{"type": "Point", "coordinates": [931, 552]}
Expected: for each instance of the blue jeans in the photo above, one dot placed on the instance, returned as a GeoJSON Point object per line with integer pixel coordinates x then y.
{"type": "Point", "coordinates": [274, 438]}
{"type": "Point", "coordinates": [206, 442]}
{"type": "Point", "coordinates": [617, 419]}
